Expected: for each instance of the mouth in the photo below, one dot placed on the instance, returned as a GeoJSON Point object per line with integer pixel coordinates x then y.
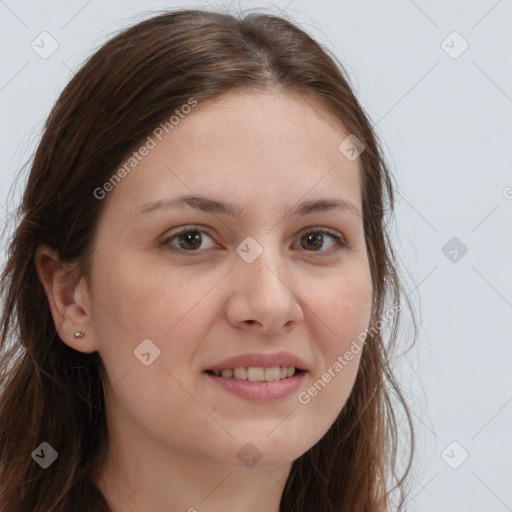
{"type": "Point", "coordinates": [259, 377]}
{"type": "Point", "coordinates": [257, 373]}
{"type": "Point", "coordinates": [258, 384]}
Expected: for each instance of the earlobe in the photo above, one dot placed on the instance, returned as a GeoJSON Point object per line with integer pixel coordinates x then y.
{"type": "Point", "coordinates": [69, 305]}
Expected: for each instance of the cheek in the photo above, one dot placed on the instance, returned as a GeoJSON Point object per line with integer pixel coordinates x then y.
{"type": "Point", "coordinates": [342, 307]}
{"type": "Point", "coordinates": [139, 299]}
{"type": "Point", "coordinates": [343, 315]}
{"type": "Point", "coordinates": [136, 302]}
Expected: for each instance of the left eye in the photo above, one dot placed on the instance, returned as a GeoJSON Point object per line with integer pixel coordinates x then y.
{"type": "Point", "coordinates": [190, 240]}
{"type": "Point", "coordinates": [317, 238]}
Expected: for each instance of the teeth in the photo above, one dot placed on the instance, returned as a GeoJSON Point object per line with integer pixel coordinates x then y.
{"type": "Point", "coordinates": [240, 373]}
{"type": "Point", "coordinates": [258, 374]}
{"type": "Point", "coordinates": [255, 374]}
{"type": "Point", "coordinates": [272, 374]}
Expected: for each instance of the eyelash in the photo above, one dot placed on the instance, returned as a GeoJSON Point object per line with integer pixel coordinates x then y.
{"type": "Point", "coordinates": [340, 242]}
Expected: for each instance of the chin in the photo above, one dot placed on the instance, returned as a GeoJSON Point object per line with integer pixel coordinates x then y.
{"type": "Point", "coordinates": [264, 452]}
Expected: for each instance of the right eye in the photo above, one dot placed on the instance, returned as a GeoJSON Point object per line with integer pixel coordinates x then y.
{"type": "Point", "coordinates": [187, 240]}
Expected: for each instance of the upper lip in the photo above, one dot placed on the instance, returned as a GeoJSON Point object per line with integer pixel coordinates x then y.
{"type": "Point", "coordinates": [260, 360]}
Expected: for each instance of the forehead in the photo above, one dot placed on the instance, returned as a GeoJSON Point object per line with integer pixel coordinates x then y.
{"type": "Point", "coordinates": [273, 145]}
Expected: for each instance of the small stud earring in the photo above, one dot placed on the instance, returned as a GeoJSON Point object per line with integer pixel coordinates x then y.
{"type": "Point", "coordinates": [79, 334]}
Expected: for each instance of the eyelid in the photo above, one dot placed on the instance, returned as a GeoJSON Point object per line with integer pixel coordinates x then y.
{"type": "Point", "coordinates": [166, 241]}
{"type": "Point", "coordinates": [339, 238]}
{"type": "Point", "coordinates": [323, 229]}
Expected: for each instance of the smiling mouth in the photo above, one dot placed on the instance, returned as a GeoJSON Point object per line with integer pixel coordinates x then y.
{"type": "Point", "coordinates": [257, 374]}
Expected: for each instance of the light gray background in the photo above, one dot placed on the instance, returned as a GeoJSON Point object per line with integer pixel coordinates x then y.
{"type": "Point", "coordinates": [446, 126]}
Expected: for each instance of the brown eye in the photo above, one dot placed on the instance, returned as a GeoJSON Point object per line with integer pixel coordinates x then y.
{"type": "Point", "coordinates": [189, 240]}
{"type": "Point", "coordinates": [313, 241]}
{"type": "Point", "coordinates": [317, 241]}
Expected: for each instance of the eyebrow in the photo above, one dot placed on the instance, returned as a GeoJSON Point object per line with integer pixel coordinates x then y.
{"type": "Point", "coordinates": [208, 205]}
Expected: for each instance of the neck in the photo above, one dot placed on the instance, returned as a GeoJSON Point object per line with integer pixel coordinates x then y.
{"type": "Point", "coordinates": [150, 477]}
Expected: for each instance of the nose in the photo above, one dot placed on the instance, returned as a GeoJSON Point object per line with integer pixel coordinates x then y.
{"type": "Point", "coordinates": [263, 298]}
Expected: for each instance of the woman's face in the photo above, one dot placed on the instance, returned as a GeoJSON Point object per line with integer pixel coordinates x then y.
{"type": "Point", "coordinates": [263, 277]}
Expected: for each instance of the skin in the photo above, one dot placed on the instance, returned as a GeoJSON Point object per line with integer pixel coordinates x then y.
{"type": "Point", "coordinates": [174, 435]}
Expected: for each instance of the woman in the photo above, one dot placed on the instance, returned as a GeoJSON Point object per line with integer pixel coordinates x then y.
{"type": "Point", "coordinates": [196, 292]}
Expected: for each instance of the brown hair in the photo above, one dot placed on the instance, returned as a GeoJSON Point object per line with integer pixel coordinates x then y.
{"type": "Point", "coordinates": [52, 393]}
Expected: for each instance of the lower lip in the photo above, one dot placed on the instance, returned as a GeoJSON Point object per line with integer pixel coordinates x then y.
{"type": "Point", "coordinates": [261, 391]}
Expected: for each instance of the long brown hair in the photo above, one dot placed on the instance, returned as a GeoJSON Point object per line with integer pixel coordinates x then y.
{"type": "Point", "coordinates": [52, 393]}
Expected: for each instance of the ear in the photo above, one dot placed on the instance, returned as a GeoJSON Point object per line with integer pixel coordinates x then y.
{"type": "Point", "coordinates": [69, 301]}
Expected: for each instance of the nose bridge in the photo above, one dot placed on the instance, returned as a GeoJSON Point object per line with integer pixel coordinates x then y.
{"type": "Point", "coordinates": [262, 259]}
{"type": "Point", "coordinates": [263, 287]}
